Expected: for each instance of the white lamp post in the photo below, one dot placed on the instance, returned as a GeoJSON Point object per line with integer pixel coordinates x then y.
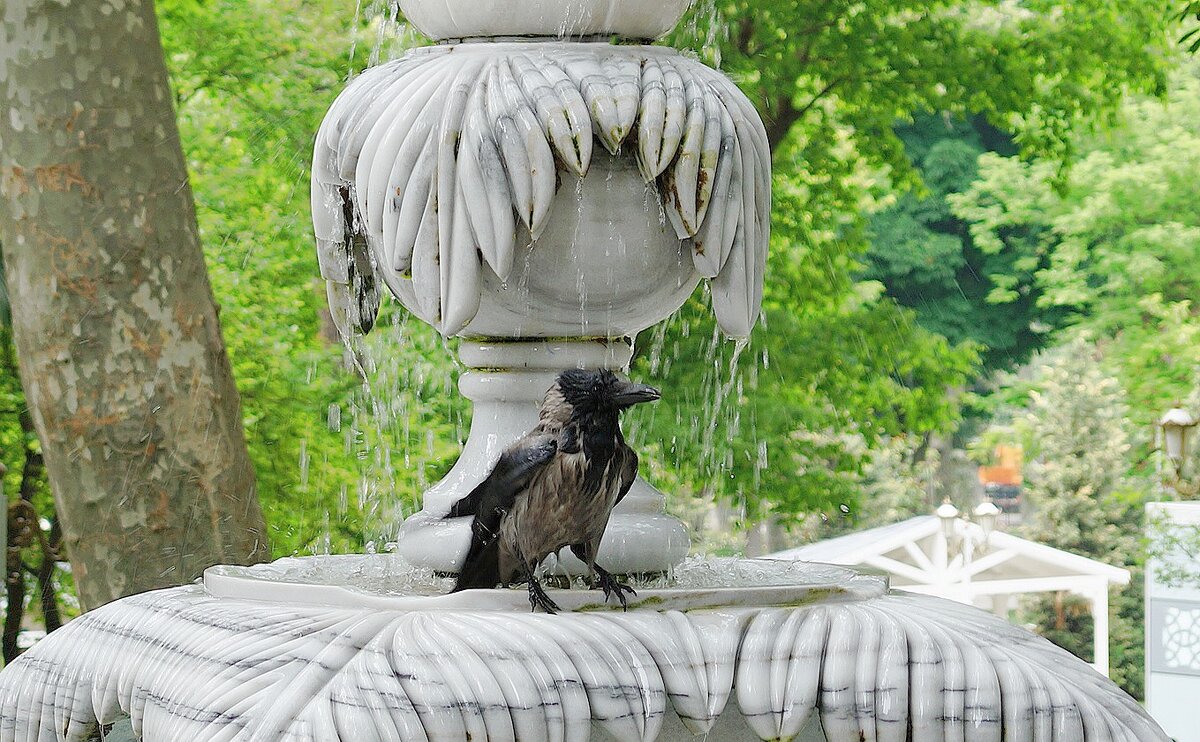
{"type": "Point", "coordinates": [985, 515]}
{"type": "Point", "coordinates": [948, 514]}
{"type": "Point", "coordinates": [958, 540]}
{"type": "Point", "coordinates": [1177, 425]}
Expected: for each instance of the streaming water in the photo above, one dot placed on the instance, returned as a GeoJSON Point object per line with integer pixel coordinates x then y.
{"type": "Point", "coordinates": [703, 31]}
{"type": "Point", "coordinates": [380, 22]}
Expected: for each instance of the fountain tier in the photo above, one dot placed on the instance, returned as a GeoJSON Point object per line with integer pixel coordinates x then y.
{"type": "Point", "coordinates": [355, 649]}
{"type": "Point", "coordinates": [539, 190]}
{"type": "Point", "coordinates": [461, 19]}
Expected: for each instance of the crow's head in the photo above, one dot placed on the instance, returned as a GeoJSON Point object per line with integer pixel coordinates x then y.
{"type": "Point", "coordinates": [600, 391]}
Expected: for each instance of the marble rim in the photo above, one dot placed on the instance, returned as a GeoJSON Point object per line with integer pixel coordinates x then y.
{"type": "Point", "coordinates": [185, 666]}
{"type": "Point", "coordinates": [447, 19]}
{"type": "Point", "coordinates": [265, 583]}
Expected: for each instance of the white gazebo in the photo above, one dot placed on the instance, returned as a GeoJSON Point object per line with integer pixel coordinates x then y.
{"type": "Point", "coordinates": [957, 559]}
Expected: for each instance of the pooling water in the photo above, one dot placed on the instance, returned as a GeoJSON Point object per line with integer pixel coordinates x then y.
{"type": "Point", "coordinates": [390, 575]}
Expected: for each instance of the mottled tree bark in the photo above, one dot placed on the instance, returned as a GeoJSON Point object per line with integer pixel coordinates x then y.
{"type": "Point", "coordinates": [121, 353]}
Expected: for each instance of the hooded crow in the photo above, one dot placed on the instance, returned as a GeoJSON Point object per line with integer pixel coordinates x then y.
{"type": "Point", "coordinates": [555, 487]}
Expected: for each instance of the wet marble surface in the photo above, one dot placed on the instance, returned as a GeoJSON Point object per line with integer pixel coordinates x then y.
{"type": "Point", "coordinates": [185, 665]}
{"type": "Point", "coordinates": [474, 172]}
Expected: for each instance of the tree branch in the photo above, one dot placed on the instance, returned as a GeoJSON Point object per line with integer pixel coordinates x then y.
{"type": "Point", "coordinates": [745, 35]}
{"type": "Point", "coordinates": [783, 116]}
{"type": "Point", "coordinates": [787, 114]}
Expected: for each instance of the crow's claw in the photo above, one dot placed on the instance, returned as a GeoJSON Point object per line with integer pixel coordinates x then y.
{"type": "Point", "coordinates": [539, 599]}
{"type": "Point", "coordinates": [613, 587]}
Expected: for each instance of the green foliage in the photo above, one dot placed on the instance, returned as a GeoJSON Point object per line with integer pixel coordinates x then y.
{"type": "Point", "coordinates": [1111, 248]}
{"type": "Point", "coordinates": [1075, 433]}
{"type": "Point", "coordinates": [899, 481]}
{"type": "Point", "coordinates": [336, 450]}
{"type": "Point", "coordinates": [252, 83]}
{"type": "Point", "coordinates": [32, 552]}
{"type": "Point", "coordinates": [12, 401]}
{"type": "Point", "coordinates": [839, 368]}
{"type": "Point", "coordinates": [1176, 547]}
{"type": "Point", "coordinates": [832, 370]}
{"type": "Point", "coordinates": [1114, 248]}
{"type": "Point", "coordinates": [1191, 38]}
{"type": "Point", "coordinates": [832, 80]}
{"type": "Point", "coordinates": [925, 256]}
{"type": "Point", "coordinates": [838, 75]}
{"type": "Point", "coordinates": [1066, 620]}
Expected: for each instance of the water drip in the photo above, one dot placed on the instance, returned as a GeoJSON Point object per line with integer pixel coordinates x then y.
{"type": "Point", "coordinates": [304, 460]}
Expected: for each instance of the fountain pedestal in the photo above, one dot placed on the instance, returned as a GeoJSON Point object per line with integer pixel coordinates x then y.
{"type": "Point", "coordinates": [506, 382]}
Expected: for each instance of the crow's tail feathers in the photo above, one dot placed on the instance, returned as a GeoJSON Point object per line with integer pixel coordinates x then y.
{"type": "Point", "coordinates": [482, 566]}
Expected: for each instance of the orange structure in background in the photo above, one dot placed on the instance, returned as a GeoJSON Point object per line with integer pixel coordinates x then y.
{"type": "Point", "coordinates": [1008, 471]}
{"type": "Point", "coordinates": [1002, 482]}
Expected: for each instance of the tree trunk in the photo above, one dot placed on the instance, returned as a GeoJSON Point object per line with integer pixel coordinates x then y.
{"type": "Point", "coordinates": [122, 359]}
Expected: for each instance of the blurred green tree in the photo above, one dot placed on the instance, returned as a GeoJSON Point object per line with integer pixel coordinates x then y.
{"type": "Point", "coordinates": [924, 254]}
{"type": "Point", "coordinates": [837, 357]}
{"type": "Point", "coordinates": [33, 550]}
{"type": "Point", "coordinates": [1071, 417]}
{"type": "Point", "coordinates": [832, 80]}
{"type": "Point", "coordinates": [1113, 249]}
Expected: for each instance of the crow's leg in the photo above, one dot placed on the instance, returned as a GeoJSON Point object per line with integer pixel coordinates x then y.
{"type": "Point", "coordinates": [602, 578]}
{"type": "Point", "coordinates": [612, 586]}
{"type": "Point", "coordinates": [537, 594]}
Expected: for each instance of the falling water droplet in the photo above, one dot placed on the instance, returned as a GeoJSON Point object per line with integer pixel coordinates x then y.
{"type": "Point", "coordinates": [303, 465]}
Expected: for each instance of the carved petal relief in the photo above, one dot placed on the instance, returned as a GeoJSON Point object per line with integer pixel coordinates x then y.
{"type": "Point", "coordinates": [437, 163]}
{"type": "Point", "coordinates": [184, 665]}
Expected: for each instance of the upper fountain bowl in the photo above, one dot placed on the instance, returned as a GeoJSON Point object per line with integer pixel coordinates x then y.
{"type": "Point", "coordinates": [542, 190]}
{"type": "Point", "coordinates": [607, 265]}
{"type": "Point", "coordinates": [464, 19]}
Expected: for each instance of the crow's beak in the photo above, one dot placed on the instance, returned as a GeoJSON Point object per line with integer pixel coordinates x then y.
{"type": "Point", "coordinates": [630, 394]}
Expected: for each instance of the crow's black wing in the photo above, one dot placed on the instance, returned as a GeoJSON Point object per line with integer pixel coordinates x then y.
{"type": "Point", "coordinates": [629, 470]}
{"type": "Point", "coordinates": [513, 471]}
{"type": "Point", "coordinates": [490, 502]}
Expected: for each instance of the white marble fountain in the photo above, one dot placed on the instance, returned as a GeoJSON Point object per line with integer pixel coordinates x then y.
{"type": "Point", "coordinates": [545, 194]}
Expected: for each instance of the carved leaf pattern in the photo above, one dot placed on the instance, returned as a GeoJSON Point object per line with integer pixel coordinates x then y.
{"type": "Point", "coordinates": [186, 666]}
{"type": "Point", "coordinates": [435, 158]}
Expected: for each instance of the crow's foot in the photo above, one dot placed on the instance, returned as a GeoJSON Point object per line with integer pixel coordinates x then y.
{"type": "Point", "coordinates": [539, 599]}
{"type": "Point", "coordinates": [612, 586]}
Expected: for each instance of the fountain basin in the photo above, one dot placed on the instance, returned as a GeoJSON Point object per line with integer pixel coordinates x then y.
{"type": "Point", "coordinates": [362, 648]}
